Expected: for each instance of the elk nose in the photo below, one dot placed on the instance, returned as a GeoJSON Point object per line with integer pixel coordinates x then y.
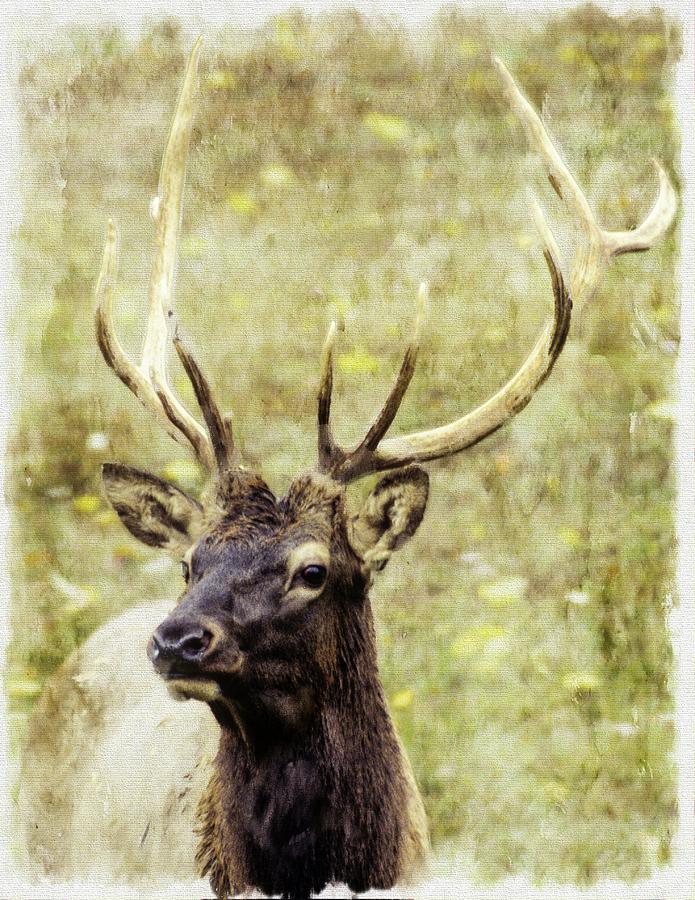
{"type": "Point", "coordinates": [174, 643]}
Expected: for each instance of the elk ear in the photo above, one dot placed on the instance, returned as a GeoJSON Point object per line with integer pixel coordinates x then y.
{"type": "Point", "coordinates": [153, 510]}
{"type": "Point", "coordinates": [390, 516]}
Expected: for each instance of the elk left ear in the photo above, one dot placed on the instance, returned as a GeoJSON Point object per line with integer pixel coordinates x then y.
{"type": "Point", "coordinates": [153, 510]}
{"type": "Point", "coordinates": [390, 516]}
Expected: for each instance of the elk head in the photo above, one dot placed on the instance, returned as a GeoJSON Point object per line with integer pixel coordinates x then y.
{"type": "Point", "coordinates": [276, 589]}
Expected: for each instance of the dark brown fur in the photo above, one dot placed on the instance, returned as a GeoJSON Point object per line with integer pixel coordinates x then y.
{"type": "Point", "coordinates": [310, 783]}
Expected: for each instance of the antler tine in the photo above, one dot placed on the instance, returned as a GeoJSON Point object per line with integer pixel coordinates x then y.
{"type": "Point", "coordinates": [327, 445]}
{"type": "Point", "coordinates": [653, 227]}
{"type": "Point", "coordinates": [383, 421]}
{"type": "Point", "coordinates": [165, 209]}
{"type": "Point", "coordinates": [130, 374]}
{"type": "Point", "coordinates": [148, 381]}
{"type": "Point", "coordinates": [219, 428]}
{"type": "Point", "coordinates": [349, 465]}
{"type": "Point", "coordinates": [599, 245]}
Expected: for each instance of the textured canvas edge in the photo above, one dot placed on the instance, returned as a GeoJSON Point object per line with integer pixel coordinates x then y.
{"type": "Point", "coordinates": [675, 882]}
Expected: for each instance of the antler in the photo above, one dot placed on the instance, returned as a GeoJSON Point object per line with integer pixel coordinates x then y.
{"type": "Point", "coordinates": [370, 456]}
{"type": "Point", "coordinates": [148, 380]}
{"type": "Point", "coordinates": [596, 247]}
{"type": "Point", "coordinates": [214, 448]}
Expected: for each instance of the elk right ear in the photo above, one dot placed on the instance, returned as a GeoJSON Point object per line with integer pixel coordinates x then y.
{"type": "Point", "coordinates": [153, 510]}
{"type": "Point", "coordinates": [390, 516]}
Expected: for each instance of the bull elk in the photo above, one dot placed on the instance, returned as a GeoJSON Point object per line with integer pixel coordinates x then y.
{"type": "Point", "coordinates": [309, 783]}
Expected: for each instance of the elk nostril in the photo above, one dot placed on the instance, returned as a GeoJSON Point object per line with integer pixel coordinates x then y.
{"type": "Point", "coordinates": [174, 643]}
{"type": "Point", "coordinates": [154, 648]}
{"type": "Point", "coordinates": [194, 645]}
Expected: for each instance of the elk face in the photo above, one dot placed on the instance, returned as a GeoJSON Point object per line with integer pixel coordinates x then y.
{"type": "Point", "coordinates": [272, 587]}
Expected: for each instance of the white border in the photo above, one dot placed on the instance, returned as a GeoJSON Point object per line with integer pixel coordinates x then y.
{"type": "Point", "coordinates": [43, 16]}
{"type": "Point", "coordinates": [677, 882]}
{"type": "Point", "coordinates": [682, 620]}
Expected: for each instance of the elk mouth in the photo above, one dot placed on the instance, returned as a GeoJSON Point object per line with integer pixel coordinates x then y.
{"type": "Point", "coordinates": [189, 683]}
{"type": "Point", "coordinates": [192, 687]}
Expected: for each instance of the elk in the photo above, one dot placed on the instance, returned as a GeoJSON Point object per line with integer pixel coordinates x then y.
{"type": "Point", "coordinates": [289, 769]}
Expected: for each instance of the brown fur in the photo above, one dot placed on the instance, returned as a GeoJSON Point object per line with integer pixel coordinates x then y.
{"type": "Point", "coordinates": [310, 784]}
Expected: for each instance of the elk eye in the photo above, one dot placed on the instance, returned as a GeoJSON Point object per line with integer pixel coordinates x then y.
{"type": "Point", "coordinates": [185, 570]}
{"type": "Point", "coordinates": [314, 576]}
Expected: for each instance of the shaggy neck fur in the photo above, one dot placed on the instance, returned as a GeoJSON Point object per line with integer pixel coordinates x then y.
{"type": "Point", "coordinates": [289, 813]}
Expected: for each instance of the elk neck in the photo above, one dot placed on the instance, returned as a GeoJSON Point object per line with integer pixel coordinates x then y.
{"type": "Point", "coordinates": [311, 789]}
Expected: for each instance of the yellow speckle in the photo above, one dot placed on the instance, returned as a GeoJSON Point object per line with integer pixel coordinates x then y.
{"type": "Point", "coordinates": [477, 81]}
{"type": "Point", "coordinates": [477, 531]}
{"type": "Point", "coordinates": [556, 792]}
{"type": "Point", "coordinates": [567, 53]}
{"type": "Point", "coordinates": [342, 304]}
{"type": "Point", "coordinates": [636, 74]}
{"type": "Point", "coordinates": [89, 595]}
{"type": "Point", "coordinates": [582, 682]}
{"type": "Point", "coordinates": [424, 144]}
{"type": "Point", "coordinates": [182, 471]}
{"type": "Point", "coordinates": [237, 300]}
{"type": "Point", "coordinates": [220, 79]}
{"type": "Point", "coordinates": [553, 485]}
{"type": "Point", "coordinates": [453, 228]}
{"type": "Point", "coordinates": [22, 688]}
{"type": "Point", "coordinates": [486, 665]}
{"type": "Point", "coordinates": [242, 203]}
{"type": "Point", "coordinates": [572, 55]}
{"type": "Point", "coordinates": [106, 517]}
{"type": "Point", "coordinates": [493, 334]}
{"type": "Point", "coordinates": [36, 558]}
{"type": "Point", "coordinates": [357, 362]}
{"type": "Point", "coordinates": [651, 42]}
{"type": "Point", "coordinates": [468, 48]}
{"type": "Point", "coordinates": [286, 39]}
{"type": "Point", "coordinates": [403, 699]}
{"type": "Point", "coordinates": [278, 176]}
{"type": "Point", "coordinates": [193, 247]}
{"type": "Point", "coordinates": [570, 536]}
{"type": "Point", "coordinates": [183, 388]}
{"type": "Point", "coordinates": [524, 239]}
{"type": "Point", "coordinates": [610, 38]}
{"type": "Point", "coordinates": [663, 410]}
{"type": "Point", "coordinates": [127, 551]}
{"type": "Point", "coordinates": [663, 315]}
{"type": "Point", "coordinates": [391, 129]}
{"type": "Point", "coordinates": [502, 463]}
{"type": "Point", "coordinates": [504, 591]}
{"type": "Point", "coordinates": [477, 638]}
{"type": "Point", "coordinates": [86, 504]}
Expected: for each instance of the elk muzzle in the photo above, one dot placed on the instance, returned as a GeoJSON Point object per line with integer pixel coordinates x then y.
{"type": "Point", "coordinates": [179, 646]}
{"type": "Point", "coordinates": [188, 646]}
{"type": "Point", "coordinates": [183, 652]}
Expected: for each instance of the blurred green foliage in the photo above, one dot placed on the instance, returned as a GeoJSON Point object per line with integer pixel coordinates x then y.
{"type": "Point", "coordinates": [336, 162]}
